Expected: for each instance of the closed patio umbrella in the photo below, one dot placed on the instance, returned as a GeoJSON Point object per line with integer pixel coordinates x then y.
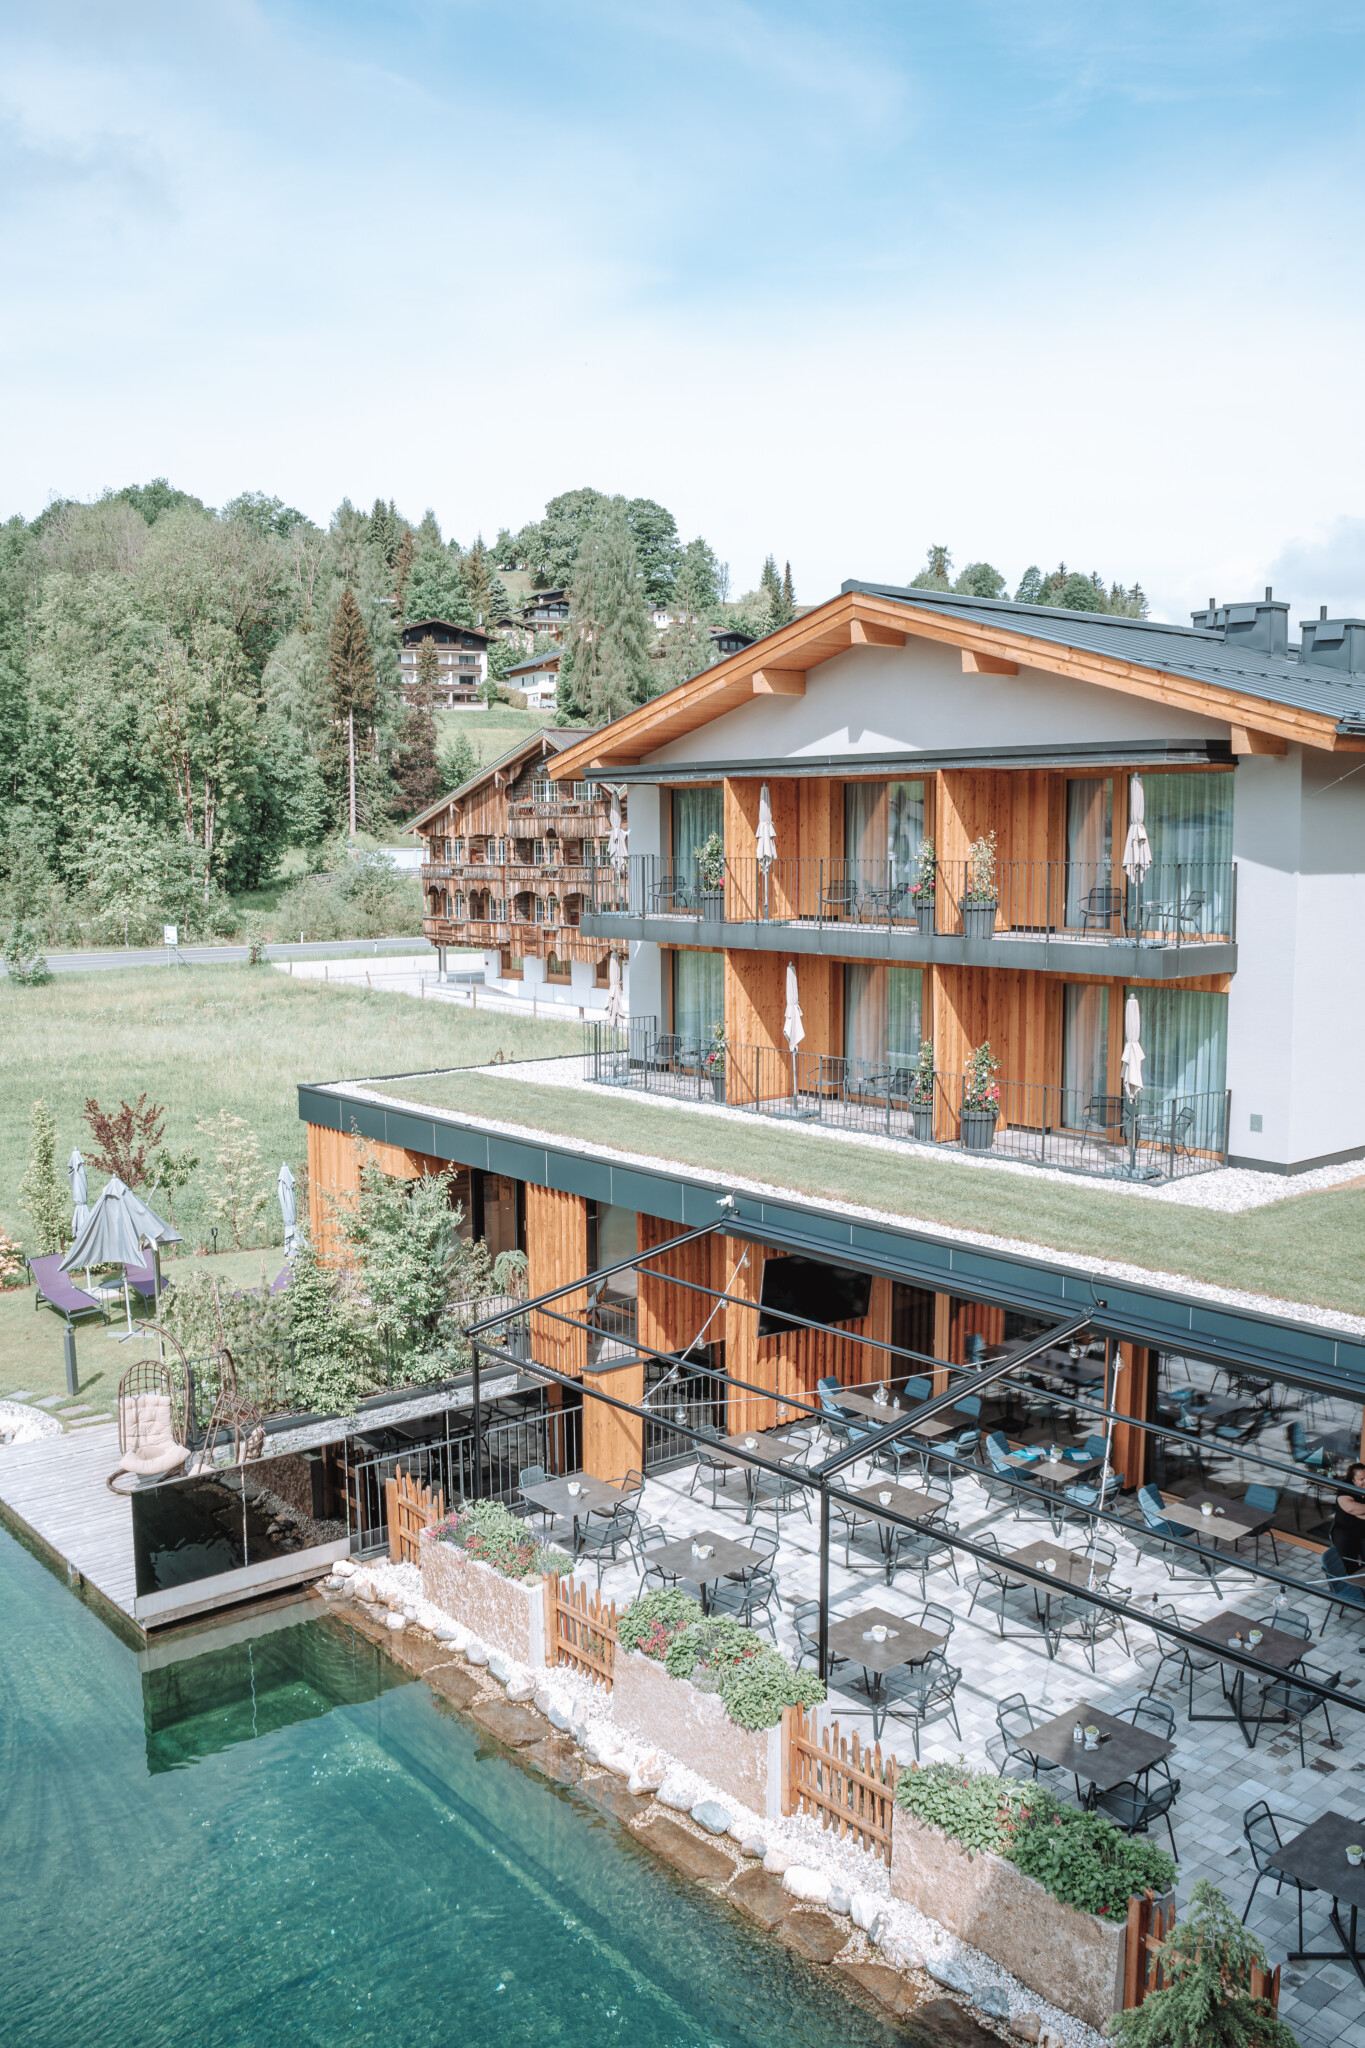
{"type": "Point", "coordinates": [616, 1002]}
{"type": "Point", "coordinates": [112, 1236]}
{"type": "Point", "coordinates": [765, 840]}
{"type": "Point", "coordinates": [793, 1024]}
{"type": "Point", "coordinates": [1137, 852]}
{"type": "Point", "coordinates": [1131, 1069]}
{"type": "Point", "coordinates": [289, 1208]}
{"type": "Point", "coordinates": [616, 839]}
{"type": "Point", "coordinates": [80, 1193]}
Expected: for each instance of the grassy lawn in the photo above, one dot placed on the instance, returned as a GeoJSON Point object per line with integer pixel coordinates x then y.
{"type": "Point", "coordinates": [1307, 1249]}
{"type": "Point", "coordinates": [491, 733]}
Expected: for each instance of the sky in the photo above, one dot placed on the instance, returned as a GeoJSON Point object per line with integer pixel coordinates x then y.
{"type": "Point", "coordinates": [1040, 283]}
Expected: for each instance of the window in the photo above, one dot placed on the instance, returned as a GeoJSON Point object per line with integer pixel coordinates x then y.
{"type": "Point", "coordinates": [1085, 1045]}
{"type": "Point", "coordinates": [512, 965]}
{"type": "Point", "coordinates": [1184, 1035]}
{"type": "Point", "coordinates": [552, 910]}
{"type": "Point", "coordinates": [1189, 829]}
{"type": "Point", "coordinates": [540, 910]}
{"type": "Point", "coordinates": [882, 1015]}
{"type": "Point", "coordinates": [697, 813]}
{"type": "Point", "coordinates": [602, 978]}
{"type": "Point", "coordinates": [542, 853]}
{"type": "Point", "coordinates": [698, 996]}
{"type": "Point", "coordinates": [883, 827]}
{"type": "Point", "coordinates": [557, 969]}
{"type": "Point", "coordinates": [1089, 850]}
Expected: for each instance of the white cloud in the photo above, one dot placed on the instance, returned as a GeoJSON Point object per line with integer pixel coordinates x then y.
{"type": "Point", "coordinates": [1328, 568]}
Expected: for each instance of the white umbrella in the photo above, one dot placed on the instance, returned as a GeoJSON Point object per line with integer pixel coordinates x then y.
{"type": "Point", "coordinates": [80, 1193]}
{"type": "Point", "coordinates": [289, 1209]}
{"type": "Point", "coordinates": [793, 1024]}
{"type": "Point", "coordinates": [616, 840]}
{"type": "Point", "coordinates": [1137, 853]}
{"type": "Point", "coordinates": [765, 840]}
{"type": "Point", "coordinates": [1133, 1055]}
{"type": "Point", "coordinates": [616, 1002]}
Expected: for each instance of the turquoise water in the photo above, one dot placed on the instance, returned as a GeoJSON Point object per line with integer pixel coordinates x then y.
{"type": "Point", "coordinates": [283, 1840]}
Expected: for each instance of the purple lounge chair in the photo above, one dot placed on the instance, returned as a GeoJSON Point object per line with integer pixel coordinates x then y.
{"type": "Point", "coordinates": [55, 1288]}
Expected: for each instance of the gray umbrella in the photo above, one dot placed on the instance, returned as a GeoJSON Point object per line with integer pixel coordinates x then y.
{"type": "Point", "coordinates": [117, 1227]}
{"type": "Point", "coordinates": [289, 1209]}
{"type": "Point", "coordinates": [80, 1193]}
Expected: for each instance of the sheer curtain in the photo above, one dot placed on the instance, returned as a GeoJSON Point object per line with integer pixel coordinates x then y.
{"type": "Point", "coordinates": [697, 813]}
{"type": "Point", "coordinates": [883, 824]}
{"type": "Point", "coordinates": [1089, 840]}
{"type": "Point", "coordinates": [882, 1015]}
{"type": "Point", "coordinates": [698, 996]}
{"type": "Point", "coordinates": [1085, 1047]}
{"type": "Point", "coordinates": [1189, 829]}
{"type": "Point", "coordinates": [1185, 1037]}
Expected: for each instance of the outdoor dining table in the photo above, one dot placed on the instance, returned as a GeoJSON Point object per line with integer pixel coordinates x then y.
{"type": "Point", "coordinates": [1076, 1373]}
{"type": "Point", "coordinates": [884, 1412]}
{"type": "Point", "coordinates": [1276, 1647]}
{"type": "Point", "coordinates": [593, 1495]}
{"type": "Point", "coordinates": [757, 1443]}
{"type": "Point", "coordinates": [905, 1642]}
{"type": "Point", "coordinates": [1317, 1858]}
{"type": "Point", "coordinates": [1338, 1443]}
{"type": "Point", "coordinates": [1215, 1407]}
{"type": "Point", "coordinates": [726, 1559]}
{"type": "Point", "coordinates": [1069, 1569]}
{"type": "Point", "coordinates": [1123, 1751]}
{"type": "Point", "coordinates": [893, 1497]}
{"type": "Point", "coordinates": [1227, 1522]}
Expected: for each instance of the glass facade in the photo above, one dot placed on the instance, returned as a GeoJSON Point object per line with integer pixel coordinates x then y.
{"type": "Point", "coordinates": [698, 996]}
{"type": "Point", "coordinates": [884, 822]}
{"type": "Point", "coordinates": [1185, 1038]}
{"type": "Point", "coordinates": [882, 1014]}
{"type": "Point", "coordinates": [697, 813]}
{"type": "Point", "coordinates": [1089, 848]}
{"type": "Point", "coordinates": [1085, 1048]}
{"type": "Point", "coordinates": [1189, 829]}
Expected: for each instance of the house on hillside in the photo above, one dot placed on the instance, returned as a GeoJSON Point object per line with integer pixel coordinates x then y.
{"type": "Point", "coordinates": [1072, 889]}
{"type": "Point", "coordinates": [461, 662]}
{"type": "Point", "coordinates": [510, 858]}
{"type": "Point", "coordinates": [537, 679]}
{"type": "Point", "coordinates": [546, 611]}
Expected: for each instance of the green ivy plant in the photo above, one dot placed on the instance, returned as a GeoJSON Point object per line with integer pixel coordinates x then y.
{"type": "Point", "coordinates": [756, 1690]}
{"type": "Point", "coordinates": [652, 1620]}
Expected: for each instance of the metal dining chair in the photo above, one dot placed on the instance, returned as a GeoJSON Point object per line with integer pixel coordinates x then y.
{"type": "Point", "coordinates": [1261, 1829]}
{"type": "Point", "coordinates": [1133, 1809]}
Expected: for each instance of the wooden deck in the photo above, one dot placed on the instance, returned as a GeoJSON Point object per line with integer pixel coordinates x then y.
{"type": "Point", "coordinates": [56, 1489]}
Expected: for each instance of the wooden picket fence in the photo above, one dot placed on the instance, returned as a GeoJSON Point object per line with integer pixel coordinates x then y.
{"type": "Point", "coordinates": [1150, 1921]}
{"type": "Point", "coordinates": [411, 1508]}
{"type": "Point", "coordinates": [580, 1630]}
{"type": "Point", "coordinates": [851, 1788]}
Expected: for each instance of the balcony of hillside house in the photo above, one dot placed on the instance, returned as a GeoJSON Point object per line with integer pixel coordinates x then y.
{"type": "Point", "coordinates": [586, 800]}
{"type": "Point", "coordinates": [1177, 917]}
{"type": "Point", "coordinates": [1157, 1135]}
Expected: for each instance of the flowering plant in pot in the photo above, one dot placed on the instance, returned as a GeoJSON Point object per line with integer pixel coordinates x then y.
{"type": "Point", "coordinates": [922, 888]}
{"type": "Point", "coordinates": [980, 893]}
{"type": "Point", "coordinates": [922, 1092]}
{"type": "Point", "coordinates": [980, 1100]}
{"type": "Point", "coordinates": [714, 1061]}
{"type": "Point", "coordinates": [711, 870]}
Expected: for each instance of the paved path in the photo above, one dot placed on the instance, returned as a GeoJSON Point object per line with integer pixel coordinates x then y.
{"type": "Point", "coordinates": [95, 959]}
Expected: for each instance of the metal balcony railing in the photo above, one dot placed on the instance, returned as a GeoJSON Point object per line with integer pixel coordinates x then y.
{"type": "Point", "coordinates": [1174, 903]}
{"type": "Point", "coordinates": [1159, 1135]}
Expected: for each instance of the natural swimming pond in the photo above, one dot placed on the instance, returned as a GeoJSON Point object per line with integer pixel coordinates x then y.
{"type": "Point", "coordinates": [268, 1834]}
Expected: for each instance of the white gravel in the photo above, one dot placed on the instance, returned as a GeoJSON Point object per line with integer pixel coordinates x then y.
{"type": "Point", "coordinates": [907, 1937]}
{"type": "Point", "coordinates": [1048, 1255]}
{"type": "Point", "coordinates": [22, 1425]}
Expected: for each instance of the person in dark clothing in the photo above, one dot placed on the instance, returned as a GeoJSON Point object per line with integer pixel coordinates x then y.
{"type": "Point", "coordinates": [1348, 1523]}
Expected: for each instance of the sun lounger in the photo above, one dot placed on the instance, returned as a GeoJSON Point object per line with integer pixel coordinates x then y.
{"type": "Point", "coordinates": [56, 1289]}
{"type": "Point", "coordinates": [141, 1280]}
{"type": "Point", "coordinates": [281, 1281]}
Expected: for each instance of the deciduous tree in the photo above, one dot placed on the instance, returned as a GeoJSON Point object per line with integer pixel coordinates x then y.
{"type": "Point", "coordinates": [127, 1138]}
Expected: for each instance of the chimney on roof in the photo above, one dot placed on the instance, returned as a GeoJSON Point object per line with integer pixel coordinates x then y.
{"type": "Point", "coordinates": [1209, 619]}
{"type": "Point", "coordinates": [1334, 643]}
{"type": "Point", "coordinates": [1260, 628]}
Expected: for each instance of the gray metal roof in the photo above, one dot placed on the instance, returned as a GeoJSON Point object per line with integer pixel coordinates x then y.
{"type": "Point", "coordinates": [1178, 650]}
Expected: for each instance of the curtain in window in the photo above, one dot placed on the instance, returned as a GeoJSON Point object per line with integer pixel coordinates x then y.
{"type": "Point", "coordinates": [864, 825]}
{"type": "Point", "coordinates": [697, 813]}
{"type": "Point", "coordinates": [882, 1013]}
{"type": "Point", "coordinates": [1189, 829]}
{"type": "Point", "coordinates": [1085, 1048]}
{"type": "Point", "coordinates": [883, 823]}
{"type": "Point", "coordinates": [1089, 845]}
{"type": "Point", "coordinates": [698, 996]}
{"type": "Point", "coordinates": [1185, 1037]}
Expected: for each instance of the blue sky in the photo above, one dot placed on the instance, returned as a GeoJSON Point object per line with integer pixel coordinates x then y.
{"type": "Point", "coordinates": [1040, 282]}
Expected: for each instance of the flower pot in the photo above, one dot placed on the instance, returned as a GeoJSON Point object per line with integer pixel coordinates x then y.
{"type": "Point", "coordinates": [923, 1118]}
{"type": "Point", "coordinates": [978, 1129]}
{"type": "Point", "coordinates": [713, 905]}
{"type": "Point", "coordinates": [978, 920]}
{"type": "Point", "coordinates": [924, 915]}
{"type": "Point", "coordinates": [718, 1085]}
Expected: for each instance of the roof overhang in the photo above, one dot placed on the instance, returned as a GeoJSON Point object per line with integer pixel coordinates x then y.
{"type": "Point", "coordinates": [779, 664]}
{"type": "Point", "coordinates": [1089, 758]}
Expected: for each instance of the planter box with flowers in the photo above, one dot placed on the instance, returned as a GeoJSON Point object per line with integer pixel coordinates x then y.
{"type": "Point", "coordinates": [980, 894]}
{"type": "Point", "coordinates": [1040, 1887]}
{"type": "Point", "coordinates": [922, 889]}
{"type": "Point", "coordinates": [980, 1101]}
{"type": "Point", "coordinates": [710, 1693]}
{"type": "Point", "coordinates": [711, 876]}
{"type": "Point", "coordinates": [922, 1093]}
{"type": "Point", "coordinates": [484, 1569]}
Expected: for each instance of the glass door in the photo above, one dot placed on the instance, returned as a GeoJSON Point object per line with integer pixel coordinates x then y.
{"type": "Point", "coordinates": [1092, 900]}
{"type": "Point", "coordinates": [1085, 1054]}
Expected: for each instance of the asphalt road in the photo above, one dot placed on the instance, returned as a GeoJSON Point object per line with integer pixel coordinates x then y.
{"type": "Point", "coordinates": [98, 959]}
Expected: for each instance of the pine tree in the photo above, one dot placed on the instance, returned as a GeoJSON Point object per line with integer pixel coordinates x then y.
{"type": "Point", "coordinates": [788, 592]}
{"type": "Point", "coordinates": [417, 771]}
{"type": "Point", "coordinates": [350, 666]}
{"type": "Point", "coordinates": [770, 584]}
{"type": "Point", "coordinates": [436, 588]}
{"type": "Point", "coordinates": [1205, 1997]}
{"type": "Point", "coordinates": [383, 533]}
{"type": "Point", "coordinates": [427, 670]}
{"type": "Point", "coordinates": [402, 569]}
{"type": "Point", "coordinates": [477, 580]}
{"type": "Point", "coordinates": [1030, 586]}
{"type": "Point", "coordinates": [42, 1190]}
{"type": "Point", "coordinates": [605, 670]}
{"type": "Point", "coordinates": [937, 571]}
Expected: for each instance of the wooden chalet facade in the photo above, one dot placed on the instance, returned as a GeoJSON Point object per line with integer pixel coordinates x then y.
{"type": "Point", "coordinates": [510, 860]}
{"type": "Point", "coordinates": [461, 662]}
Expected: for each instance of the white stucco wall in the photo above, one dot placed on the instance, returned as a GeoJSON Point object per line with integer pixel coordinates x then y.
{"type": "Point", "coordinates": [873, 700]}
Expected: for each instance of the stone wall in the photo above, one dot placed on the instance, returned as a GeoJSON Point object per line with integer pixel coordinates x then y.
{"type": "Point", "coordinates": [670, 1714]}
{"type": "Point", "coordinates": [1072, 1959]}
{"type": "Point", "coordinates": [505, 1614]}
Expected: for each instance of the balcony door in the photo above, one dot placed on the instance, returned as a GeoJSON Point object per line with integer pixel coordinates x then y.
{"type": "Point", "coordinates": [1090, 903]}
{"type": "Point", "coordinates": [697, 813]}
{"type": "Point", "coordinates": [1184, 1036]}
{"type": "Point", "coordinates": [883, 828]}
{"type": "Point", "coordinates": [1189, 829]}
{"type": "Point", "coordinates": [883, 1012]}
{"type": "Point", "coordinates": [1085, 1048]}
{"type": "Point", "coordinates": [698, 997]}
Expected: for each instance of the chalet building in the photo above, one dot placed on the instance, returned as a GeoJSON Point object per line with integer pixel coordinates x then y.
{"type": "Point", "coordinates": [538, 679]}
{"type": "Point", "coordinates": [510, 858]}
{"type": "Point", "coordinates": [729, 640]}
{"type": "Point", "coordinates": [546, 611]}
{"type": "Point", "coordinates": [461, 662]}
{"type": "Point", "coordinates": [1072, 889]}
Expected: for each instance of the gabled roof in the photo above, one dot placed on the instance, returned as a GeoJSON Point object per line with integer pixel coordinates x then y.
{"type": "Point", "coordinates": [550, 659]}
{"type": "Point", "coordinates": [446, 626]}
{"type": "Point", "coordinates": [548, 739]}
{"type": "Point", "coordinates": [1275, 697]}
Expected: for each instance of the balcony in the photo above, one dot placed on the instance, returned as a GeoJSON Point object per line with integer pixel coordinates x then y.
{"type": "Point", "coordinates": [1154, 1137]}
{"type": "Point", "coordinates": [589, 801]}
{"type": "Point", "coordinates": [1048, 916]}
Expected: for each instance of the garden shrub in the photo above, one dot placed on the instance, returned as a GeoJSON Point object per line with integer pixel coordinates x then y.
{"type": "Point", "coordinates": [714, 1645]}
{"type": "Point", "coordinates": [652, 1620]}
{"type": "Point", "coordinates": [1205, 1997]}
{"type": "Point", "coordinates": [755, 1681]}
{"type": "Point", "coordinates": [1081, 1858]}
{"type": "Point", "coordinates": [493, 1534]}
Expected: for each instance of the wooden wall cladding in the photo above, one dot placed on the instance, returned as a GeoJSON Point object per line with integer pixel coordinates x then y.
{"type": "Point", "coordinates": [557, 1253]}
{"type": "Point", "coordinates": [1017, 1013]}
{"type": "Point", "coordinates": [614, 1442]}
{"type": "Point", "coordinates": [756, 1007]}
{"type": "Point", "coordinates": [788, 1367]}
{"type": "Point", "coordinates": [1025, 808]}
{"type": "Point", "coordinates": [1132, 1385]}
{"type": "Point", "coordinates": [334, 1162]}
{"type": "Point", "coordinates": [671, 1318]}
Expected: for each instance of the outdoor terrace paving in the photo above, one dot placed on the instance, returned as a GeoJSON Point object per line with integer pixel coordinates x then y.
{"type": "Point", "coordinates": [1219, 1775]}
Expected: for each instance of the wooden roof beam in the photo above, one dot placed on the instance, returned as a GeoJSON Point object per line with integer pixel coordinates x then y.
{"type": "Point", "coordinates": [1247, 740]}
{"type": "Point", "coordinates": [862, 633]}
{"type": "Point", "coordinates": [987, 665]}
{"type": "Point", "coordinates": [779, 682]}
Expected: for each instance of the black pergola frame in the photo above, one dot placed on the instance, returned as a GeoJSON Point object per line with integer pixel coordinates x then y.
{"type": "Point", "coordinates": [823, 1478]}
